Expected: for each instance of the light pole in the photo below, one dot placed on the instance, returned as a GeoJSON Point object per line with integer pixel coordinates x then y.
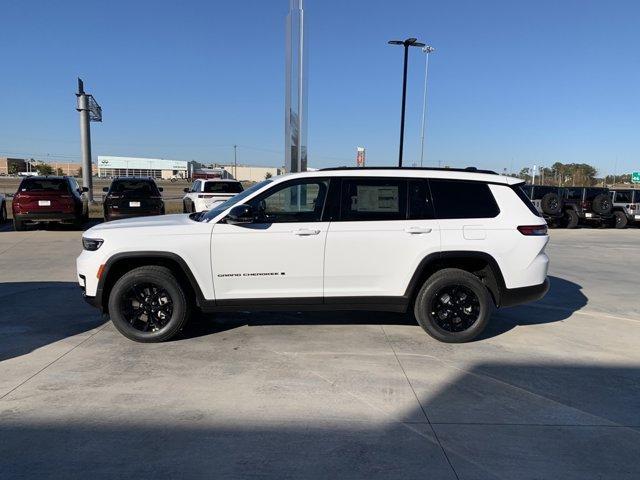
{"type": "Point", "coordinates": [409, 42]}
{"type": "Point", "coordinates": [427, 50]}
{"type": "Point", "coordinates": [235, 162]}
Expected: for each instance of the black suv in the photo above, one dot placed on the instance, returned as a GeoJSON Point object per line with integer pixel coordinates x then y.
{"type": "Point", "coordinates": [587, 205]}
{"type": "Point", "coordinates": [548, 202]}
{"type": "Point", "coordinates": [132, 197]}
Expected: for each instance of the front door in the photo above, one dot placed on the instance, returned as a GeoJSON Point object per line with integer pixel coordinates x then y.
{"type": "Point", "coordinates": [281, 255]}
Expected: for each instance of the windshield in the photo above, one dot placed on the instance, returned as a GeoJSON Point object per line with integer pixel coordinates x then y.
{"type": "Point", "coordinates": [134, 188]}
{"type": "Point", "coordinates": [222, 187]}
{"type": "Point", "coordinates": [44, 185]}
{"type": "Point", "coordinates": [221, 207]}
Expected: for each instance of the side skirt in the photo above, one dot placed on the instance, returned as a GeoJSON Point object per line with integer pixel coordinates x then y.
{"type": "Point", "coordinates": [312, 304]}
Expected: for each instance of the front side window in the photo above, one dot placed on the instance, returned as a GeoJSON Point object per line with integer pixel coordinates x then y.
{"type": "Point", "coordinates": [373, 199]}
{"type": "Point", "coordinates": [462, 199]}
{"type": "Point", "coordinates": [291, 203]}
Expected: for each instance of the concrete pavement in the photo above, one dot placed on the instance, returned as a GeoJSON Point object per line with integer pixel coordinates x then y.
{"type": "Point", "coordinates": [552, 390]}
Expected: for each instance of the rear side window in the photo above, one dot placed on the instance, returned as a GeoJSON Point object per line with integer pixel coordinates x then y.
{"type": "Point", "coordinates": [222, 187]}
{"type": "Point", "coordinates": [371, 199]}
{"type": "Point", "coordinates": [591, 193]}
{"type": "Point", "coordinates": [624, 196]}
{"type": "Point", "coordinates": [134, 188]}
{"type": "Point", "coordinates": [573, 193]}
{"type": "Point", "coordinates": [462, 199]}
{"type": "Point", "coordinates": [420, 204]}
{"type": "Point", "coordinates": [44, 185]}
{"type": "Point", "coordinates": [525, 198]}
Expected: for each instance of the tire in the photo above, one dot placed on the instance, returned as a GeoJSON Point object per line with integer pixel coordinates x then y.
{"type": "Point", "coordinates": [18, 225]}
{"type": "Point", "coordinates": [446, 283]}
{"type": "Point", "coordinates": [621, 219]}
{"type": "Point", "coordinates": [146, 279]}
{"type": "Point", "coordinates": [572, 219]}
{"type": "Point", "coordinates": [602, 204]}
{"type": "Point", "coordinates": [550, 203]}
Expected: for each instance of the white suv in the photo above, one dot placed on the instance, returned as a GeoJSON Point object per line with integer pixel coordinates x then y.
{"type": "Point", "coordinates": [205, 194]}
{"type": "Point", "coordinates": [447, 245]}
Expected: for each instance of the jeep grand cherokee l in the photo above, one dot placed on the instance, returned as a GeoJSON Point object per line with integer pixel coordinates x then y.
{"type": "Point", "coordinates": [49, 199]}
{"type": "Point", "coordinates": [447, 245]}
{"type": "Point", "coordinates": [132, 197]}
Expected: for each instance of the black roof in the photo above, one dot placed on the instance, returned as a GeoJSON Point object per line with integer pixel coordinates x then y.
{"type": "Point", "coordinates": [438, 169]}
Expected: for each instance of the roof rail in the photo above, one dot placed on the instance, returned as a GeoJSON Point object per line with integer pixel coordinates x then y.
{"type": "Point", "coordinates": [437, 169]}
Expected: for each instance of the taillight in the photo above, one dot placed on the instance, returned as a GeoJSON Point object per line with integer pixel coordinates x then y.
{"type": "Point", "coordinates": [533, 230]}
{"type": "Point", "coordinates": [633, 207]}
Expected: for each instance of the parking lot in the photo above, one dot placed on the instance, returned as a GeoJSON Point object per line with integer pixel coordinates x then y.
{"type": "Point", "coordinates": [551, 390]}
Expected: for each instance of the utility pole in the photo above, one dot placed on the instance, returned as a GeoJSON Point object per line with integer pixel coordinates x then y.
{"type": "Point", "coordinates": [409, 42]}
{"type": "Point", "coordinates": [235, 162]}
{"type": "Point", "coordinates": [427, 50]}
{"type": "Point", "coordinates": [90, 111]}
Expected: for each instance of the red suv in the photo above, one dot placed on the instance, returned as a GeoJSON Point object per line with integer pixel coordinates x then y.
{"type": "Point", "coordinates": [49, 199]}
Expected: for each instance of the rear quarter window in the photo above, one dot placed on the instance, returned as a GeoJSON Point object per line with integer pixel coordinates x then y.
{"type": "Point", "coordinates": [522, 195]}
{"type": "Point", "coordinates": [462, 199]}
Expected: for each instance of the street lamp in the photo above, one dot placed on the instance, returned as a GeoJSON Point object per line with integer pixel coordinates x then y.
{"type": "Point", "coordinates": [426, 50]}
{"type": "Point", "coordinates": [409, 42]}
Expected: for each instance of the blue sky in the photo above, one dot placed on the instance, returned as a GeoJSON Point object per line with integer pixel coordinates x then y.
{"type": "Point", "coordinates": [512, 83]}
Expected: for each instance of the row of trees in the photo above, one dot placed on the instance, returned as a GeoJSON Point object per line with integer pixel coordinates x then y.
{"type": "Point", "coordinates": [45, 169]}
{"type": "Point", "coordinates": [571, 174]}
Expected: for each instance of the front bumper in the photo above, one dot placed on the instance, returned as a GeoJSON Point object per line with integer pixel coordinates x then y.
{"type": "Point", "coordinates": [517, 296]}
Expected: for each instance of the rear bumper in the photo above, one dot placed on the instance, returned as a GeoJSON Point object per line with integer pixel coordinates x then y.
{"type": "Point", "coordinates": [597, 217]}
{"type": "Point", "coordinates": [517, 296]}
{"type": "Point", "coordinates": [46, 217]}
{"type": "Point", "coordinates": [123, 215]}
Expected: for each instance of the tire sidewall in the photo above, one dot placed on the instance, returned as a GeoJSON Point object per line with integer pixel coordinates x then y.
{"type": "Point", "coordinates": [620, 219]}
{"type": "Point", "coordinates": [422, 307]}
{"type": "Point", "coordinates": [162, 279]}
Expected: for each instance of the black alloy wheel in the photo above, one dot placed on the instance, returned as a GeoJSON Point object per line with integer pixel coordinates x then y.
{"type": "Point", "coordinates": [147, 307]}
{"type": "Point", "coordinates": [149, 304]}
{"type": "Point", "coordinates": [455, 308]}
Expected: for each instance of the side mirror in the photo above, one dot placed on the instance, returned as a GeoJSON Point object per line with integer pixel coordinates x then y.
{"type": "Point", "coordinates": [240, 214]}
{"type": "Point", "coordinates": [185, 190]}
{"type": "Point", "coordinates": [105, 189]}
{"type": "Point", "coordinates": [160, 189]}
{"type": "Point", "coordinates": [84, 189]}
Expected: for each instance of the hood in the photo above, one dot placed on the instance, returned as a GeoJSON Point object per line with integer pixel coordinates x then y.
{"type": "Point", "coordinates": [170, 224]}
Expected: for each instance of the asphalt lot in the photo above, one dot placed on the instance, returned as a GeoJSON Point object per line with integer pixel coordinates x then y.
{"type": "Point", "coordinates": [551, 391]}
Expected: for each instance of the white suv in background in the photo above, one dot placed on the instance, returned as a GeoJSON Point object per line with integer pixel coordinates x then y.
{"type": "Point", "coordinates": [205, 194]}
{"type": "Point", "coordinates": [447, 245]}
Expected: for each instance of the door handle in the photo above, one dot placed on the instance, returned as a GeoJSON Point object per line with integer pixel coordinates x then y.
{"type": "Point", "coordinates": [303, 232]}
{"type": "Point", "coordinates": [417, 230]}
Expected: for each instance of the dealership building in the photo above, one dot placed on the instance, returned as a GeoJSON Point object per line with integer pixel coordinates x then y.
{"type": "Point", "coordinates": [160, 168]}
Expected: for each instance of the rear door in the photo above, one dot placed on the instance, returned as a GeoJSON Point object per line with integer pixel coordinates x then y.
{"type": "Point", "coordinates": [385, 227]}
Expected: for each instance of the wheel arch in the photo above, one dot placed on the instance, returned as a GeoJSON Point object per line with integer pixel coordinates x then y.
{"type": "Point", "coordinates": [481, 264]}
{"type": "Point", "coordinates": [121, 263]}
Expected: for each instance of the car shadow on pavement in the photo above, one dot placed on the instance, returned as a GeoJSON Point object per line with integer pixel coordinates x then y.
{"type": "Point", "coordinates": [563, 299]}
{"type": "Point", "coordinates": [35, 314]}
{"type": "Point", "coordinates": [486, 420]}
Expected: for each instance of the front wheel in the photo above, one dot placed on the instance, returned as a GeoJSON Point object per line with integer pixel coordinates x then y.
{"type": "Point", "coordinates": [148, 304]}
{"type": "Point", "coordinates": [453, 306]}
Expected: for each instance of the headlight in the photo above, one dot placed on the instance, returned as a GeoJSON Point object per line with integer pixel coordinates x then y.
{"type": "Point", "coordinates": [92, 244]}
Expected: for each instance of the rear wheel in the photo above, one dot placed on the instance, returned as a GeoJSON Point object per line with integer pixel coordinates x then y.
{"type": "Point", "coordinates": [621, 219]}
{"type": "Point", "coordinates": [148, 304]}
{"type": "Point", "coordinates": [453, 306]}
{"type": "Point", "coordinates": [572, 219]}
